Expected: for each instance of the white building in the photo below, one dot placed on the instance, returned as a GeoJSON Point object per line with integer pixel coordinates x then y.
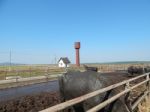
{"type": "Point", "coordinates": [63, 62]}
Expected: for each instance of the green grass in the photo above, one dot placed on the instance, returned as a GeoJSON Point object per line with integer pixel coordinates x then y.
{"type": "Point", "coordinates": [28, 71]}
{"type": "Point", "coordinates": [37, 70]}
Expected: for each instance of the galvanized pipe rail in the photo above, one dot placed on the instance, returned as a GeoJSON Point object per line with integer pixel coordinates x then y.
{"type": "Point", "coordinates": [110, 100]}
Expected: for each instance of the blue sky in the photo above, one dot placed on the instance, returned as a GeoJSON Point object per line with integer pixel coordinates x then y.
{"type": "Point", "coordinates": [37, 31]}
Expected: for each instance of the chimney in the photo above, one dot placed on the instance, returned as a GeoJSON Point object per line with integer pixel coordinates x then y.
{"type": "Point", "coordinates": [77, 47]}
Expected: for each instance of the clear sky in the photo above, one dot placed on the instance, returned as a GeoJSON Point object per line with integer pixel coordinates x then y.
{"type": "Point", "coordinates": [37, 31]}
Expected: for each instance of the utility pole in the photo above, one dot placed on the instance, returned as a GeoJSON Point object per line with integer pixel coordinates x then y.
{"type": "Point", "coordinates": [55, 59]}
{"type": "Point", "coordinates": [10, 60]}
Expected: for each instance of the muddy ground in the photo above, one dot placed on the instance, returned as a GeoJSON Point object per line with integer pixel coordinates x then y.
{"type": "Point", "coordinates": [40, 101]}
{"type": "Point", "coordinates": [35, 103]}
{"type": "Point", "coordinates": [31, 103]}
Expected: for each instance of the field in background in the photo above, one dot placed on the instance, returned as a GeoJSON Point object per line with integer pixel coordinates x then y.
{"type": "Point", "coordinates": [39, 70]}
{"type": "Point", "coordinates": [28, 70]}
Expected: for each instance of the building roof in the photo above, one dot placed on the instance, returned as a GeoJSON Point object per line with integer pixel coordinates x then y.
{"type": "Point", "coordinates": [65, 60]}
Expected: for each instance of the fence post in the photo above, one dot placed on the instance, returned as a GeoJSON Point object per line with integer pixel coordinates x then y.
{"type": "Point", "coordinates": [147, 97]}
{"type": "Point", "coordinates": [46, 73]}
{"type": "Point", "coordinates": [127, 97]}
{"type": "Point", "coordinates": [148, 85]}
{"type": "Point", "coordinates": [5, 74]}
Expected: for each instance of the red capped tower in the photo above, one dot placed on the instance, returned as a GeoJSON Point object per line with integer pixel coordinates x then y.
{"type": "Point", "coordinates": [77, 48]}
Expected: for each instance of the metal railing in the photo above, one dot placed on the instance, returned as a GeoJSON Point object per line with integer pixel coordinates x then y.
{"type": "Point", "coordinates": [127, 89]}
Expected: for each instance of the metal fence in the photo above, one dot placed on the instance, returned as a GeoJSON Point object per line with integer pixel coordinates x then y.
{"type": "Point", "coordinates": [128, 88]}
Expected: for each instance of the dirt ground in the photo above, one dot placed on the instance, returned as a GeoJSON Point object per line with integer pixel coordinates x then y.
{"type": "Point", "coordinates": [31, 103]}
{"type": "Point", "coordinates": [144, 107]}
{"type": "Point", "coordinates": [35, 103]}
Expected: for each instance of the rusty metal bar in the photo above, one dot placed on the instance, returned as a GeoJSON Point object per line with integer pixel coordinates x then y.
{"type": "Point", "coordinates": [92, 94]}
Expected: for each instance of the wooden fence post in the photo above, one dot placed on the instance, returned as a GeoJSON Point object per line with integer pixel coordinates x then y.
{"type": "Point", "coordinates": [148, 85]}
{"type": "Point", "coordinates": [127, 97]}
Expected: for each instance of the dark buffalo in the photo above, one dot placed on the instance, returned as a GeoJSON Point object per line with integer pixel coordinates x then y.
{"type": "Point", "coordinates": [90, 68]}
{"type": "Point", "coordinates": [133, 70]}
{"type": "Point", "coordinates": [75, 84]}
{"type": "Point", "coordinates": [147, 69]}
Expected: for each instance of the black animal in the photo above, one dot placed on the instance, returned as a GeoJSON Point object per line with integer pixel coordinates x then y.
{"type": "Point", "coordinates": [75, 84]}
{"type": "Point", "coordinates": [133, 70]}
{"type": "Point", "coordinates": [147, 69]}
{"type": "Point", "coordinates": [90, 68]}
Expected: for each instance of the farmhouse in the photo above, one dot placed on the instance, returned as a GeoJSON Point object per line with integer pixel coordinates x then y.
{"type": "Point", "coordinates": [63, 62]}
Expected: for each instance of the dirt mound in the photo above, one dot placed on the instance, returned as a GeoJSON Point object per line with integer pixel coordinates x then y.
{"type": "Point", "coordinates": [31, 103]}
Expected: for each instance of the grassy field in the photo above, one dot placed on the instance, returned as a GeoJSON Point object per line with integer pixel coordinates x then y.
{"type": "Point", "coordinates": [37, 70]}
{"type": "Point", "coordinates": [28, 70]}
